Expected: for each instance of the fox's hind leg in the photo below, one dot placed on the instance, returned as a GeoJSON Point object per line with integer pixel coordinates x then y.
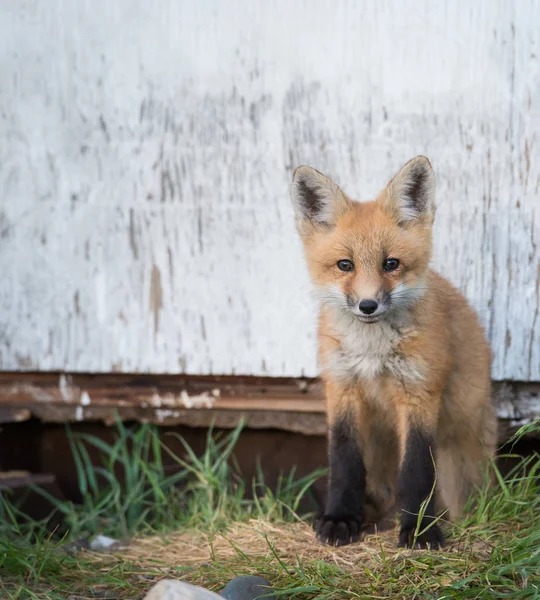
{"type": "Point", "coordinates": [363, 467]}
{"type": "Point", "coordinates": [467, 437]}
{"type": "Point", "coordinates": [462, 458]}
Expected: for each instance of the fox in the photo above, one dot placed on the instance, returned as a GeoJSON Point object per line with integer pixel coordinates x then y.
{"type": "Point", "coordinates": [404, 360]}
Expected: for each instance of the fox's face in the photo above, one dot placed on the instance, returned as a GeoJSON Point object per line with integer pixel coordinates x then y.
{"type": "Point", "coordinates": [367, 259]}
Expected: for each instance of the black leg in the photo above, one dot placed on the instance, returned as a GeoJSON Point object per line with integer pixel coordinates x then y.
{"type": "Point", "coordinates": [415, 484]}
{"type": "Point", "coordinates": [344, 514]}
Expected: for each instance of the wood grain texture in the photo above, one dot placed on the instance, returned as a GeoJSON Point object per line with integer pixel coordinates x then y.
{"type": "Point", "coordinates": [146, 148]}
{"type": "Point", "coordinates": [260, 402]}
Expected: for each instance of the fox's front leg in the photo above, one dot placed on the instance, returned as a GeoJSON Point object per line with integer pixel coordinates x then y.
{"type": "Point", "coordinates": [341, 522]}
{"type": "Point", "coordinates": [417, 479]}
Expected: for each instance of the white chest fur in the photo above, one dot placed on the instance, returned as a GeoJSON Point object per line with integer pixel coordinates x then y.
{"type": "Point", "coordinates": [368, 350]}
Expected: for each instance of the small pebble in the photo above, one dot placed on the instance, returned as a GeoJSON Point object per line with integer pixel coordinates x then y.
{"type": "Point", "coordinates": [102, 542]}
{"type": "Point", "coordinates": [247, 587]}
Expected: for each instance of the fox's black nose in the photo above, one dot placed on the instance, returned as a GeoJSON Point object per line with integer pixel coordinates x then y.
{"type": "Point", "coordinates": [368, 307]}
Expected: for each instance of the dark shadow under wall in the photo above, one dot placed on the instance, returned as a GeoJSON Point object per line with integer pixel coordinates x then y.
{"type": "Point", "coordinates": [44, 449]}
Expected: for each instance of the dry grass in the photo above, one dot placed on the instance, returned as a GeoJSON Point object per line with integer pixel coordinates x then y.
{"type": "Point", "coordinates": [260, 539]}
{"type": "Point", "coordinates": [288, 552]}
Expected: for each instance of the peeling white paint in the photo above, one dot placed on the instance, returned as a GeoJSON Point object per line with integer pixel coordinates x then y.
{"type": "Point", "coordinates": [144, 211]}
{"type": "Point", "coordinates": [185, 400]}
{"type": "Point", "coordinates": [526, 408]}
{"type": "Point", "coordinates": [204, 400]}
{"type": "Point", "coordinates": [85, 398]}
{"type": "Point", "coordinates": [79, 413]}
{"type": "Point", "coordinates": [155, 400]}
{"type": "Point", "coordinates": [66, 389]}
{"type": "Point", "coordinates": [162, 414]}
{"type": "Point", "coordinates": [520, 422]}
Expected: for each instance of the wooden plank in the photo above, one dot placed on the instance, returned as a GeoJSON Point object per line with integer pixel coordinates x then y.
{"type": "Point", "coordinates": [264, 403]}
{"type": "Point", "coordinates": [145, 224]}
{"type": "Point", "coordinates": [10, 480]}
{"type": "Point", "coordinates": [161, 392]}
{"type": "Point", "coordinates": [14, 415]}
{"type": "Point", "coordinates": [296, 422]}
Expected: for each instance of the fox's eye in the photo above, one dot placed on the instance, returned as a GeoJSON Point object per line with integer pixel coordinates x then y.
{"type": "Point", "coordinates": [345, 265]}
{"type": "Point", "coordinates": [391, 264]}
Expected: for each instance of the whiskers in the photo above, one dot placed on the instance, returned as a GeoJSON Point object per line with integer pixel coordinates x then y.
{"type": "Point", "coordinates": [399, 299]}
{"type": "Point", "coordinates": [331, 296]}
{"type": "Point", "coordinates": [402, 295]}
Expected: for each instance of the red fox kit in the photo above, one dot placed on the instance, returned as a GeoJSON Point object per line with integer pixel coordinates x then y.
{"type": "Point", "coordinates": [405, 362]}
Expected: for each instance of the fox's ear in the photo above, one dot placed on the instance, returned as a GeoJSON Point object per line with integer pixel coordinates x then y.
{"type": "Point", "coordinates": [316, 198]}
{"type": "Point", "coordinates": [410, 196]}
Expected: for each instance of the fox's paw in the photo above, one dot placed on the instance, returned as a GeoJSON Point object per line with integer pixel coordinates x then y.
{"type": "Point", "coordinates": [338, 530]}
{"type": "Point", "coordinates": [432, 539]}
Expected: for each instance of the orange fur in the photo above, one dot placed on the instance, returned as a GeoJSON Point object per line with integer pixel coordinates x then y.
{"type": "Point", "coordinates": [425, 362]}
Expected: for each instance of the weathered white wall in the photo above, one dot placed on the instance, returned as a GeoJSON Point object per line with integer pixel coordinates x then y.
{"type": "Point", "coordinates": [146, 149]}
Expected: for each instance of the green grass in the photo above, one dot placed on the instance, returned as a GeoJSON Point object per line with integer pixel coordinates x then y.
{"type": "Point", "coordinates": [495, 551]}
{"type": "Point", "coordinates": [202, 491]}
{"type": "Point", "coordinates": [496, 554]}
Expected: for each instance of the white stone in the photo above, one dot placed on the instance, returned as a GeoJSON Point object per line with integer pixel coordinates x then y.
{"type": "Point", "coordinates": [170, 589]}
{"type": "Point", "coordinates": [102, 542]}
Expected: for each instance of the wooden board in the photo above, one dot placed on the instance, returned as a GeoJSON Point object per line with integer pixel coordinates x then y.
{"type": "Point", "coordinates": [146, 149]}
{"type": "Point", "coordinates": [262, 403]}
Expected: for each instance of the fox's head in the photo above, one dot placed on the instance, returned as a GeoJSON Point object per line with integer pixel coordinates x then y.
{"type": "Point", "coordinates": [368, 259]}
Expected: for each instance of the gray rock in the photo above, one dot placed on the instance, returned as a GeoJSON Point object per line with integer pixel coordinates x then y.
{"type": "Point", "coordinates": [247, 587]}
{"type": "Point", "coordinates": [75, 546]}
